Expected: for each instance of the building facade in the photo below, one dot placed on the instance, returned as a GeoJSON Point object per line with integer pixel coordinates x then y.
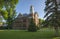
{"type": "Point", "coordinates": [23, 20]}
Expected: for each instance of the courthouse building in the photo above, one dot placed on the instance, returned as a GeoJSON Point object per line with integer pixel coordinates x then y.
{"type": "Point", "coordinates": [23, 20]}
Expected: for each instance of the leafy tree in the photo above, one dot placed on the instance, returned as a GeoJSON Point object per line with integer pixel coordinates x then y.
{"type": "Point", "coordinates": [0, 18]}
{"type": "Point", "coordinates": [52, 15]}
{"type": "Point", "coordinates": [4, 14]}
{"type": "Point", "coordinates": [1, 4]}
{"type": "Point", "coordinates": [41, 23]}
{"type": "Point", "coordinates": [32, 27]}
{"type": "Point", "coordinates": [9, 13]}
{"type": "Point", "coordinates": [10, 9]}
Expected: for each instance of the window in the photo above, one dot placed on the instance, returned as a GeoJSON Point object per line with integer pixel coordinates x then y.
{"type": "Point", "coordinates": [24, 20]}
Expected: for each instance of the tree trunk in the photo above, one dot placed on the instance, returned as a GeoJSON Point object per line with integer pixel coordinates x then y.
{"type": "Point", "coordinates": [56, 31]}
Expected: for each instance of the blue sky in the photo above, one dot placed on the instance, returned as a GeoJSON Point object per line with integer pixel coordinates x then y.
{"type": "Point", "coordinates": [23, 6]}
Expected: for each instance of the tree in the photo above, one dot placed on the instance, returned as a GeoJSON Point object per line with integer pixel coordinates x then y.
{"type": "Point", "coordinates": [32, 27]}
{"type": "Point", "coordinates": [10, 8]}
{"type": "Point", "coordinates": [0, 18]}
{"type": "Point", "coordinates": [1, 4]}
{"type": "Point", "coordinates": [52, 14]}
{"type": "Point", "coordinates": [41, 21]}
{"type": "Point", "coordinates": [9, 13]}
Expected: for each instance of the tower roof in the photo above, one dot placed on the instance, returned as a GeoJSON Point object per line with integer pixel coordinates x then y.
{"type": "Point", "coordinates": [31, 9]}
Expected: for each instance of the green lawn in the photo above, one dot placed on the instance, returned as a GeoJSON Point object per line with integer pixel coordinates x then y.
{"type": "Point", "coordinates": [21, 34]}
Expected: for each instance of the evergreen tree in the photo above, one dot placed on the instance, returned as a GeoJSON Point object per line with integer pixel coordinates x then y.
{"type": "Point", "coordinates": [32, 27]}
{"type": "Point", "coordinates": [52, 14]}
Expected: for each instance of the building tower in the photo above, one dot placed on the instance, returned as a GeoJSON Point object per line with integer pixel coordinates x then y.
{"type": "Point", "coordinates": [31, 9]}
{"type": "Point", "coordinates": [34, 15]}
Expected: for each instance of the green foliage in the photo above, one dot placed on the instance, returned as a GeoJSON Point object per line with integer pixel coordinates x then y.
{"type": "Point", "coordinates": [9, 13]}
{"type": "Point", "coordinates": [41, 22]}
{"type": "Point", "coordinates": [32, 27]}
{"type": "Point", "coordinates": [56, 38]}
{"type": "Point", "coordinates": [52, 15]}
{"type": "Point", "coordinates": [2, 27]}
{"type": "Point", "coordinates": [10, 8]}
{"type": "Point", "coordinates": [4, 13]}
{"type": "Point", "coordinates": [1, 18]}
{"type": "Point", "coordinates": [1, 4]}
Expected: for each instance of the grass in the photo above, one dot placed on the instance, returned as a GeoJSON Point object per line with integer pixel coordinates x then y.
{"type": "Point", "coordinates": [21, 34]}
